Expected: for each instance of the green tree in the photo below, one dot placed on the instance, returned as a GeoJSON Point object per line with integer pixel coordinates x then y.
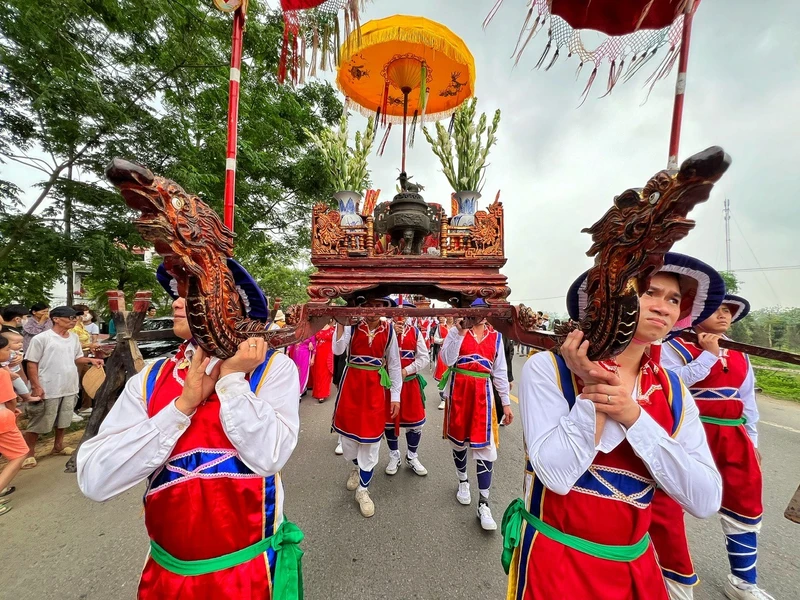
{"type": "Point", "coordinates": [731, 281]}
{"type": "Point", "coordinates": [31, 269]}
{"type": "Point", "coordinates": [86, 80]}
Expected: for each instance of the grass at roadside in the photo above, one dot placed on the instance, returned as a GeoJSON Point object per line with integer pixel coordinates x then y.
{"type": "Point", "coordinates": [757, 361]}
{"type": "Point", "coordinates": [778, 384]}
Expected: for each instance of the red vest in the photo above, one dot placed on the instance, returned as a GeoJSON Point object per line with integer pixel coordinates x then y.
{"type": "Point", "coordinates": [204, 502]}
{"type": "Point", "coordinates": [608, 504]}
{"type": "Point", "coordinates": [470, 411]}
{"type": "Point", "coordinates": [412, 396]}
{"type": "Point", "coordinates": [718, 394]}
{"type": "Point", "coordinates": [360, 411]}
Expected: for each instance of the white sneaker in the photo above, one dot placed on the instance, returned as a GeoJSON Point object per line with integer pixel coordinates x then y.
{"type": "Point", "coordinates": [394, 462]}
{"type": "Point", "coordinates": [463, 495]}
{"type": "Point", "coordinates": [416, 466]}
{"type": "Point", "coordinates": [76, 418]}
{"type": "Point", "coordinates": [485, 515]}
{"type": "Point", "coordinates": [738, 589]}
{"type": "Point", "coordinates": [441, 405]}
{"type": "Point", "coordinates": [338, 451]}
{"type": "Point", "coordinates": [353, 480]}
{"type": "Point", "coordinates": [85, 412]}
{"type": "Point", "coordinates": [365, 504]}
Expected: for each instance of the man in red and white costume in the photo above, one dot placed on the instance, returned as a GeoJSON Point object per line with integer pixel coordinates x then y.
{"type": "Point", "coordinates": [371, 378]}
{"type": "Point", "coordinates": [473, 352]}
{"type": "Point", "coordinates": [723, 385]}
{"type": "Point", "coordinates": [599, 438]}
{"type": "Point", "coordinates": [413, 359]}
{"type": "Point", "coordinates": [211, 438]}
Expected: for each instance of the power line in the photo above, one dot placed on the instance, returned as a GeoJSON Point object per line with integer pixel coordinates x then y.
{"type": "Point", "coordinates": [758, 269]}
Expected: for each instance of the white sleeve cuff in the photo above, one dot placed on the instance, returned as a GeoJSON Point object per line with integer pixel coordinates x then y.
{"type": "Point", "coordinates": [707, 359]}
{"type": "Point", "coordinates": [171, 422]}
{"type": "Point", "coordinates": [645, 437]}
{"type": "Point", "coordinates": [232, 385]}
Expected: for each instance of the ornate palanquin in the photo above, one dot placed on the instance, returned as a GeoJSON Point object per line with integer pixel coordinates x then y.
{"type": "Point", "coordinates": [457, 264]}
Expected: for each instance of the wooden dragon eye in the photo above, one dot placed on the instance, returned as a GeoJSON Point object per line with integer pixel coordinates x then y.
{"type": "Point", "coordinates": [177, 203]}
{"type": "Point", "coordinates": [654, 197]}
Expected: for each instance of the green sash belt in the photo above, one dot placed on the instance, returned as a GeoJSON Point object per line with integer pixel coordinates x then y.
{"type": "Point", "coordinates": [287, 583]}
{"type": "Point", "coordinates": [512, 534]}
{"type": "Point", "coordinates": [724, 422]}
{"type": "Point", "coordinates": [422, 383]}
{"type": "Point", "coordinates": [386, 381]}
{"type": "Point", "coordinates": [450, 370]}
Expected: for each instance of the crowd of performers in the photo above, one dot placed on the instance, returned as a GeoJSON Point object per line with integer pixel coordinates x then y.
{"type": "Point", "coordinates": [616, 450]}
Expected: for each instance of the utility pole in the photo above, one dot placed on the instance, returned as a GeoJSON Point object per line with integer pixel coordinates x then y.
{"type": "Point", "coordinates": [726, 212]}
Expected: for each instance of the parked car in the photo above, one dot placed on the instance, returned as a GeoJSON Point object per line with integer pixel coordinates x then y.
{"type": "Point", "coordinates": [150, 349]}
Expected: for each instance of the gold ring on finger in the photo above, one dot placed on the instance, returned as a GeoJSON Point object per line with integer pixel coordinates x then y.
{"type": "Point", "coordinates": [608, 396]}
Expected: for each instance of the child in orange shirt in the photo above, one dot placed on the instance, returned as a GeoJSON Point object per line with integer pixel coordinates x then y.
{"type": "Point", "coordinates": [12, 444]}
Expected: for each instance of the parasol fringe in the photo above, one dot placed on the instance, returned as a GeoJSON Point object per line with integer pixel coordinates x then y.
{"type": "Point", "coordinates": [303, 60]}
{"type": "Point", "coordinates": [641, 61]}
{"type": "Point", "coordinates": [589, 83]}
{"type": "Point", "coordinates": [452, 124]}
{"type": "Point", "coordinates": [546, 51]}
{"type": "Point", "coordinates": [388, 119]}
{"type": "Point", "coordinates": [664, 68]}
{"type": "Point", "coordinates": [415, 36]}
{"type": "Point", "coordinates": [524, 29]}
{"type": "Point", "coordinates": [552, 62]}
{"type": "Point", "coordinates": [492, 13]}
{"type": "Point", "coordinates": [385, 139]}
{"type": "Point", "coordinates": [314, 52]}
{"type": "Point", "coordinates": [385, 102]}
{"type": "Point", "coordinates": [338, 41]}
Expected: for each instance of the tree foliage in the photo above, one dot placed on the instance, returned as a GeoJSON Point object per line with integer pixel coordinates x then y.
{"type": "Point", "coordinates": [731, 281]}
{"type": "Point", "coordinates": [771, 327]}
{"type": "Point", "coordinates": [86, 80]}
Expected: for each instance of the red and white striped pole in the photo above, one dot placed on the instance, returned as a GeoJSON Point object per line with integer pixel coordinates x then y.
{"type": "Point", "coordinates": [233, 114]}
{"type": "Point", "coordinates": [680, 86]}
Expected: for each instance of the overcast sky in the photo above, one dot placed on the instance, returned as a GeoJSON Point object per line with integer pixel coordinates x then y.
{"type": "Point", "coordinates": [560, 166]}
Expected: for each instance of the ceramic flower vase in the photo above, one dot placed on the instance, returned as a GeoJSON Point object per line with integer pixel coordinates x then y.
{"type": "Point", "coordinates": [467, 207]}
{"type": "Point", "coordinates": [348, 206]}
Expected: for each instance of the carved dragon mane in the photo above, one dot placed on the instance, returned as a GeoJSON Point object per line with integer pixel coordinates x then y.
{"type": "Point", "coordinates": [629, 243]}
{"type": "Point", "coordinates": [195, 245]}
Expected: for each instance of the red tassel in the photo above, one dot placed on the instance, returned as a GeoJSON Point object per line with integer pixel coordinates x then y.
{"type": "Point", "coordinates": [385, 139]}
{"type": "Point", "coordinates": [284, 54]}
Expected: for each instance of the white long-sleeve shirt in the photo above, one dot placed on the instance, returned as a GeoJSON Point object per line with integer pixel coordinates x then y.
{"type": "Point", "coordinates": [391, 355]}
{"type": "Point", "coordinates": [561, 441]}
{"type": "Point", "coordinates": [130, 445]}
{"type": "Point", "coordinates": [700, 367]}
{"type": "Point", "coordinates": [451, 348]}
{"type": "Point", "coordinates": [421, 359]}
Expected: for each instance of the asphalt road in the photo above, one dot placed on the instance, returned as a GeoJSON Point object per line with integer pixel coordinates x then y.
{"type": "Point", "coordinates": [421, 544]}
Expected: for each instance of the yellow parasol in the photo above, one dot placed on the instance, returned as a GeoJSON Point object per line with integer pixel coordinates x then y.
{"type": "Point", "coordinates": [382, 67]}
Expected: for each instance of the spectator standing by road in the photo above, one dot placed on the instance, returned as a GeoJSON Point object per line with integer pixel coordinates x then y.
{"type": "Point", "coordinates": [14, 315]}
{"type": "Point", "coordinates": [39, 322]}
{"type": "Point", "coordinates": [12, 445]}
{"type": "Point", "coordinates": [53, 360]}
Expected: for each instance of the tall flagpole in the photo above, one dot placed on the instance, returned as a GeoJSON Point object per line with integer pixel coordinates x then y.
{"type": "Point", "coordinates": [233, 114]}
{"type": "Point", "coordinates": [680, 86]}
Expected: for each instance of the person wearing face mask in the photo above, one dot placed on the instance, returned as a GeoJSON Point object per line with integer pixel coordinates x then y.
{"type": "Point", "coordinates": [723, 385]}
{"type": "Point", "coordinates": [14, 317]}
{"type": "Point", "coordinates": [413, 359]}
{"type": "Point", "coordinates": [473, 352]}
{"type": "Point", "coordinates": [371, 378]}
{"type": "Point", "coordinates": [210, 437]}
{"type": "Point", "coordinates": [600, 436]}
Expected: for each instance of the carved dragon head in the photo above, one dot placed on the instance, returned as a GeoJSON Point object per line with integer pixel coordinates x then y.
{"type": "Point", "coordinates": [629, 243]}
{"type": "Point", "coordinates": [181, 227]}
